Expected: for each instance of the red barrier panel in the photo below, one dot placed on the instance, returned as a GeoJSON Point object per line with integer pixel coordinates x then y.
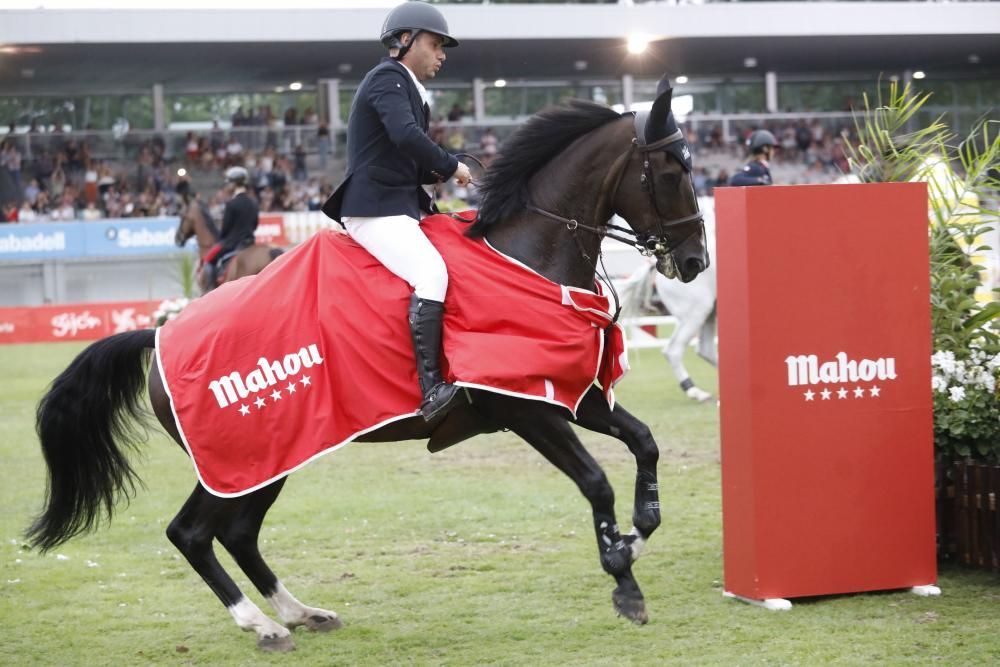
{"type": "Point", "coordinates": [82, 321]}
{"type": "Point", "coordinates": [271, 230]}
{"type": "Point", "coordinates": [825, 389]}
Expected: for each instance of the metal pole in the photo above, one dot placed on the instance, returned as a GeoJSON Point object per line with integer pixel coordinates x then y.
{"type": "Point", "coordinates": [771, 91]}
{"type": "Point", "coordinates": [628, 89]}
{"type": "Point", "coordinates": [479, 99]}
{"type": "Point", "coordinates": [158, 119]}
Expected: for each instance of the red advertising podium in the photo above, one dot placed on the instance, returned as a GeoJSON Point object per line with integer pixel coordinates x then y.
{"type": "Point", "coordinates": [825, 390]}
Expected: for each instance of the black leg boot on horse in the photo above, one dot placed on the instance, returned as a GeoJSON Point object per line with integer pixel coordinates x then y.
{"type": "Point", "coordinates": [426, 318]}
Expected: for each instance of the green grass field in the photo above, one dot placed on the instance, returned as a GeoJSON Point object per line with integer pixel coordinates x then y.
{"type": "Point", "coordinates": [483, 554]}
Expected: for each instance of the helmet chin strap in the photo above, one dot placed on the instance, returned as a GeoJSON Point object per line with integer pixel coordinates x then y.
{"type": "Point", "coordinates": [404, 48]}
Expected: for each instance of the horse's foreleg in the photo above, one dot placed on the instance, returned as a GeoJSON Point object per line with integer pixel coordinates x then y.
{"type": "Point", "coordinates": [192, 532]}
{"type": "Point", "coordinates": [546, 429]}
{"type": "Point", "coordinates": [594, 414]}
{"type": "Point", "coordinates": [240, 538]}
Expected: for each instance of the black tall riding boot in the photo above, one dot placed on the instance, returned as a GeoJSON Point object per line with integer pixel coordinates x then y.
{"type": "Point", "coordinates": [425, 325]}
{"type": "Point", "coordinates": [211, 272]}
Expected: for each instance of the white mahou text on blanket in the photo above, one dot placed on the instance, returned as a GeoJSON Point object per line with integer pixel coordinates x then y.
{"type": "Point", "coordinates": [232, 387]}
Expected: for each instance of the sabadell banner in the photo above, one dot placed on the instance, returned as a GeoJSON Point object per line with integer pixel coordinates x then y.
{"type": "Point", "coordinates": [101, 238]}
{"type": "Point", "coordinates": [108, 238]}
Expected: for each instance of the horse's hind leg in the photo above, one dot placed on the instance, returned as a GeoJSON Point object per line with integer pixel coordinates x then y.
{"type": "Point", "coordinates": [674, 353]}
{"type": "Point", "coordinates": [545, 428]}
{"type": "Point", "coordinates": [707, 349]}
{"type": "Point", "coordinates": [240, 538]}
{"type": "Point", "coordinates": [192, 532]}
{"type": "Point", "coordinates": [594, 414]}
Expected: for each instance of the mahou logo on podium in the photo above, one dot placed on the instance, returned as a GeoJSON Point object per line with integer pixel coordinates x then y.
{"type": "Point", "coordinates": [825, 388]}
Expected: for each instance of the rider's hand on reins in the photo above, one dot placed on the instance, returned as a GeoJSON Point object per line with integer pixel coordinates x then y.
{"type": "Point", "coordinates": [462, 175]}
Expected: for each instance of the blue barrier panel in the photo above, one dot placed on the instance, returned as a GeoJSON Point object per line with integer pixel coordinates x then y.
{"type": "Point", "coordinates": [136, 236]}
{"type": "Point", "coordinates": [41, 241]}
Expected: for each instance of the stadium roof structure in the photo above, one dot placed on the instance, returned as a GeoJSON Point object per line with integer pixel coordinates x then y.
{"type": "Point", "coordinates": [129, 50]}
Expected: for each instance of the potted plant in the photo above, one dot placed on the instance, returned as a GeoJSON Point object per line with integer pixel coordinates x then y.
{"type": "Point", "coordinates": [963, 184]}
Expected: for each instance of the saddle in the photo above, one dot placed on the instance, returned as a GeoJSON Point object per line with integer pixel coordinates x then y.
{"type": "Point", "coordinates": [220, 264]}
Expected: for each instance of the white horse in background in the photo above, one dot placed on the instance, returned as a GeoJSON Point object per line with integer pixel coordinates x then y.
{"type": "Point", "coordinates": [692, 304]}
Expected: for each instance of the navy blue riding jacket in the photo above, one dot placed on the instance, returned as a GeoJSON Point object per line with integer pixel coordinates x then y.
{"type": "Point", "coordinates": [754, 173]}
{"type": "Point", "coordinates": [389, 154]}
{"type": "Point", "coordinates": [239, 221]}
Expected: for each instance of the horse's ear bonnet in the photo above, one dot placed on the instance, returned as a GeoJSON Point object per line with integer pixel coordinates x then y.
{"type": "Point", "coordinates": [660, 123]}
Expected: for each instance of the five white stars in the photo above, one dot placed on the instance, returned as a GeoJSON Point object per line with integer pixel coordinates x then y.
{"type": "Point", "coordinates": [859, 392]}
{"type": "Point", "coordinates": [260, 402]}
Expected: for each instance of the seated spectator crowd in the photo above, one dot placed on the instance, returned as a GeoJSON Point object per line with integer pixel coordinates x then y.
{"type": "Point", "coordinates": [61, 181]}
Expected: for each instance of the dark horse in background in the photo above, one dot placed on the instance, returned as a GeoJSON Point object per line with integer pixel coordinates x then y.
{"type": "Point", "coordinates": [546, 203]}
{"type": "Point", "coordinates": [196, 221]}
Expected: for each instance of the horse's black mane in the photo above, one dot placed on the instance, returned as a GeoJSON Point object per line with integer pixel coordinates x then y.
{"type": "Point", "coordinates": [505, 186]}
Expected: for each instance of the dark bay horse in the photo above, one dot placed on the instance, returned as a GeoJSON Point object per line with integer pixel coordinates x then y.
{"type": "Point", "coordinates": [546, 202]}
{"type": "Point", "coordinates": [196, 221]}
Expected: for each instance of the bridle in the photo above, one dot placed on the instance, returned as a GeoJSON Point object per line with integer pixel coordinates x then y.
{"type": "Point", "coordinates": [651, 245]}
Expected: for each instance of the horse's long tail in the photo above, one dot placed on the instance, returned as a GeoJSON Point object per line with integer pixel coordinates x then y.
{"type": "Point", "coordinates": [85, 422]}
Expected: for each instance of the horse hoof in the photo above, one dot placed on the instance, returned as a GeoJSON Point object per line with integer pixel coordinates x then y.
{"type": "Point", "coordinates": [276, 644]}
{"type": "Point", "coordinates": [632, 608]}
{"type": "Point", "coordinates": [318, 623]}
{"type": "Point", "coordinates": [699, 395]}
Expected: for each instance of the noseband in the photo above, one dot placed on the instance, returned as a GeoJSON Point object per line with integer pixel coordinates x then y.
{"type": "Point", "coordinates": [651, 245]}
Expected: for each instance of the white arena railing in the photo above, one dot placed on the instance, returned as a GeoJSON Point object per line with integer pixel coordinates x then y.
{"type": "Point", "coordinates": [300, 226]}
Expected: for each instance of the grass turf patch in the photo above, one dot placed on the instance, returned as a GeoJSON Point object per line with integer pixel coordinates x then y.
{"type": "Point", "coordinates": [482, 554]}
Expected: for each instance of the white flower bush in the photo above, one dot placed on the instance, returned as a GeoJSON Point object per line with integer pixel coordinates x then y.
{"type": "Point", "coordinates": [169, 309]}
{"type": "Point", "coordinates": [966, 405]}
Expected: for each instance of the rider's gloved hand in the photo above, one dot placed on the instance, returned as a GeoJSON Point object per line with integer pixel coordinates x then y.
{"type": "Point", "coordinates": [462, 175]}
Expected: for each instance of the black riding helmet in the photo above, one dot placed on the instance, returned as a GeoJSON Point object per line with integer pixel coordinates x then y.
{"type": "Point", "coordinates": [414, 17]}
{"type": "Point", "coordinates": [759, 139]}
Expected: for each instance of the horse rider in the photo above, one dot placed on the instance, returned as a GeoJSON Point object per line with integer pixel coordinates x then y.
{"type": "Point", "coordinates": [756, 172]}
{"type": "Point", "coordinates": [390, 157]}
{"type": "Point", "coordinates": [239, 220]}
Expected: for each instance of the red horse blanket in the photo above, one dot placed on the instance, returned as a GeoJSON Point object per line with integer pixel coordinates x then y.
{"type": "Point", "coordinates": [269, 372]}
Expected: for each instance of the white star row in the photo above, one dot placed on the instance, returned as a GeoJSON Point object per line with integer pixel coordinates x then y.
{"type": "Point", "coordinates": [842, 393]}
{"type": "Point", "coordinates": [260, 402]}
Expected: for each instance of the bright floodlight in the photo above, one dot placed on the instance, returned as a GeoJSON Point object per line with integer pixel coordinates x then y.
{"type": "Point", "coordinates": [500, 83]}
{"type": "Point", "coordinates": [918, 74]}
{"type": "Point", "coordinates": [295, 85]}
{"type": "Point", "coordinates": [681, 79]}
{"type": "Point", "coordinates": [637, 44]}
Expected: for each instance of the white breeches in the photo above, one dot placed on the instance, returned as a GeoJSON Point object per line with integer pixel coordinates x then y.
{"type": "Point", "coordinates": [398, 243]}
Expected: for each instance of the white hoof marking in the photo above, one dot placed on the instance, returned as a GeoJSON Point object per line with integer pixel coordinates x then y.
{"type": "Point", "coordinates": [698, 394]}
{"type": "Point", "coordinates": [637, 544]}
{"type": "Point", "coordinates": [248, 616]}
{"type": "Point", "coordinates": [292, 612]}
